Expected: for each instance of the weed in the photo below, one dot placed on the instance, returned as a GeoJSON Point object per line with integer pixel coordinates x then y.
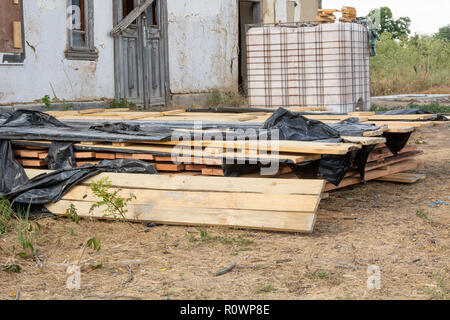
{"type": "Point", "coordinates": [115, 204]}
{"type": "Point", "coordinates": [442, 292]}
{"type": "Point", "coordinates": [26, 233]}
{"type": "Point", "coordinates": [225, 99]}
{"type": "Point", "coordinates": [266, 289]}
{"type": "Point", "coordinates": [71, 232]}
{"type": "Point", "coordinates": [72, 214]}
{"type": "Point", "coordinates": [94, 243]}
{"type": "Point", "coordinates": [326, 275]}
{"type": "Point", "coordinates": [123, 103]}
{"type": "Point", "coordinates": [207, 238]}
{"type": "Point", "coordinates": [13, 268]}
{"type": "Point", "coordinates": [422, 214]}
{"type": "Point", "coordinates": [46, 101]}
{"type": "Point", "coordinates": [96, 266]}
{"type": "Point", "coordinates": [6, 215]}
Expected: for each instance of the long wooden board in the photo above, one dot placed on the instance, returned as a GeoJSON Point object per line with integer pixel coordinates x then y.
{"type": "Point", "coordinates": [270, 204]}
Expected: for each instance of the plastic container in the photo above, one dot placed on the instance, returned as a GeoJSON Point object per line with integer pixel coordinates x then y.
{"type": "Point", "coordinates": [324, 65]}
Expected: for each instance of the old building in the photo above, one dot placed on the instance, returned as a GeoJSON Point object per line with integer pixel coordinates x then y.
{"type": "Point", "coordinates": [174, 52]}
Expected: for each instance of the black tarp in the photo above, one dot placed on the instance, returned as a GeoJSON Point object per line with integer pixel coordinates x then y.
{"type": "Point", "coordinates": [439, 117]}
{"type": "Point", "coordinates": [50, 187]}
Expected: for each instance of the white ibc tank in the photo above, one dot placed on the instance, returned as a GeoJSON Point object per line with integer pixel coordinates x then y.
{"type": "Point", "coordinates": [324, 65]}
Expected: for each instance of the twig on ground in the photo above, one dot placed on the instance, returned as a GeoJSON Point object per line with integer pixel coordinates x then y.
{"type": "Point", "coordinates": [226, 270]}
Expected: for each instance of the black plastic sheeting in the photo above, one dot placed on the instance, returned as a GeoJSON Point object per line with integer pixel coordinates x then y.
{"type": "Point", "coordinates": [51, 187]}
{"type": "Point", "coordinates": [294, 126]}
{"type": "Point", "coordinates": [396, 141]}
{"type": "Point", "coordinates": [26, 118]}
{"type": "Point", "coordinates": [61, 156]}
{"type": "Point", "coordinates": [439, 117]}
{"type": "Point", "coordinates": [352, 127]}
{"type": "Point", "coordinates": [333, 168]}
{"type": "Point", "coordinates": [12, 172]}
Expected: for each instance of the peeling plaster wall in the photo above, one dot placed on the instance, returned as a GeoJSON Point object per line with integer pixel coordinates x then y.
{"type": "Point", "coordinates": [203, 45]}
{"type": "Point", "coordinates": [45, 69]}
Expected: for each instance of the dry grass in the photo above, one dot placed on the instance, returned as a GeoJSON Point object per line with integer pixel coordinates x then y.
{"type": "Point", "coordinates": [372, 224]}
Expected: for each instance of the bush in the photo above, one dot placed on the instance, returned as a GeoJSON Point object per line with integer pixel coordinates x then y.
{"type": "Point", "coordinates": [411, 65]}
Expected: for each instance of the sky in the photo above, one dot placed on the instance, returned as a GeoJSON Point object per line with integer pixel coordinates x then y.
{"type": "Point", "coordinates": [426, 16]}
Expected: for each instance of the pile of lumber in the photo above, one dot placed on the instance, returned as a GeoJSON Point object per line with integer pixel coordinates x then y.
{"type": "Point", "coordinates": [192, 188]}
{"type": "Point", "coordinates": [275, 204]}
{"type": "Point", "coordinates": [348, 14]}
{"type": "Point", "coordinates": [326, 15]}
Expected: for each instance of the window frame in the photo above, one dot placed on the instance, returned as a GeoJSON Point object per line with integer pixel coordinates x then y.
{"type": "Point", "coordinates": [10, 58]}
{"type": "Point", "coordinates": [88, 52]}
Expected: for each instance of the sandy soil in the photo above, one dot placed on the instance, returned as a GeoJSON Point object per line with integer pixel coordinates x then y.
{"type": "Point", "coordinates": [359, 226]}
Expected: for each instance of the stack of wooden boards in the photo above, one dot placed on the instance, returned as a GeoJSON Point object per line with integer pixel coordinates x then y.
{"type": "Point", "coordinates": [183, 194]}
{"type": "Point", "coordinates": [273, 204]}
{"type": "Point", "coordinates": [328, 15]}
{"type": "Point", "coordinates": [348, 14]}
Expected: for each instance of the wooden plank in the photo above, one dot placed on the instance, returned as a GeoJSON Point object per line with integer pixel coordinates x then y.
{"type": "Point", "coordinates": [29, 153]}
{"type": "Point", "coordinates": [280, 145]}
{"type": "Point", "coordinates": [169, 167]}
{"type": "Point", "coordinates": [17, 34]}
{"type": "Point", "coordinates": [415, 124]}
{"type": "Point", "coordinates": [84, 155]}
{"type": "Point", "coordinates": [32, 163]}
{"type": "Point", "coordinates": [101, 155]}
{"type": "Point", "coordinates": [210, 184]}
{"type": "Point", "coordinates": [374, 174]}
{"type": "Point", "coordinates": [142, 156]}
{"type": "Point", "coordinates": [124, 156]}
{"type": "Point", "coordinates": [214, 200]}
{"type": "Point", "coordinates": [364, 140]}
{"type": "Point", "coordinates": [403, 177]}
{"type": "Point", "coordinates": [195, 167]}
{"type": "Point", "coordinates": [126, 21]}
{"type": "Point", "coordinates": [401, 117]}
{"type": "Point", "coordinates": [252, 219]}
{"type": "Point", "coordinates": [164, 158]}
{"type": "Point", "coordinates": [213, 172]}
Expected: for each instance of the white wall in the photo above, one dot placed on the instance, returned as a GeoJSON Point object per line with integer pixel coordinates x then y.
{"type": "Point", "coordinates": [203, 45]}
{"type": "Point", "coordinates": [45, 30]}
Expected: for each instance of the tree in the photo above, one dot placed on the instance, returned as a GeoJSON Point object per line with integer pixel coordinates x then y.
{"type": "Point", "coordinates": [398, 28]}
{"type": "Point", "coordinates": [444, 33]}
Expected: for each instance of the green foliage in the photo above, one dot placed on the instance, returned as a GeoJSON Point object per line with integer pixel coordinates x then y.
{"type": "Point", "coordinates": [266, 289]}
{"type": "Point", "coordinates": [72, 214]}
{"type": "Point", "coordinates": [24, 229]}
{"type": "Point", "coordinates": [115, 204]}
{"type": "Point", "coordinates": [13, 268]}
{"type": "Point", "coordinates": [6, 214]}
{"type": "Point", "coordinates": [421, 214]}
{"type": "Point", "coordinates": [444, 33]}
{"type": "Point", "coordinates": [432, 107]}
{"type": "Point", "coordinates": [207, 238]}
{"type": "Point", "coordinates": [26, 233]}
{"type": "Point", "coordinates": [123, 103]}
{"type": "Point", "coordinates": [410, 65]}
{"type": "Point", "coordinates": [398, 28]}
{"type": "Point", "coordinates": [46, 101]}
{"type": "Point", "coordinates": [225, 99]}
{"type": "Point", "coordinates": [94, 243]}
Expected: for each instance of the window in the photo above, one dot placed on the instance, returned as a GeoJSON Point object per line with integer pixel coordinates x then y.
{"type": "Point", "coordinates": [11, 32]}
{"type": "Point", "coordinates": [81, 30]}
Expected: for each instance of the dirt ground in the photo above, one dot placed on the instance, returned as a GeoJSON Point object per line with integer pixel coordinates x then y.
{"type": "Point", "coordinates": [359, 226]}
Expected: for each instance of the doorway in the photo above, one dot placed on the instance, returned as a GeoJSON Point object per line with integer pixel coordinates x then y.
{"type": "Point", "coordinates": [140, 54]}
{"type": "Point", "coordinates": [249, 13]}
